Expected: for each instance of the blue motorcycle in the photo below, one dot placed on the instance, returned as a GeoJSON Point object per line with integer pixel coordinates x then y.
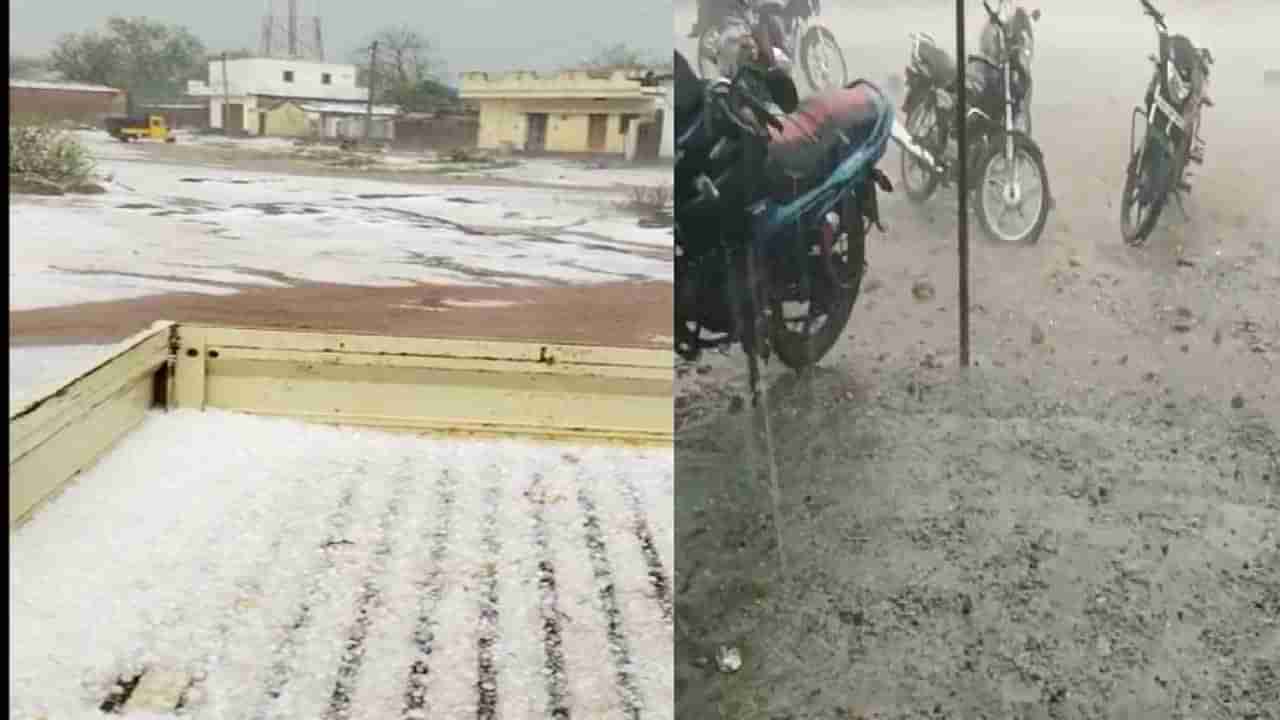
{"type": "Point", "coordinates": [772, 212]}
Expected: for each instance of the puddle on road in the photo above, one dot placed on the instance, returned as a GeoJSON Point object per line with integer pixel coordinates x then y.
{"type": "Point", "coordinates": [578, 266]}
{"type": "Point", "coordinates": [277, 209]}
{"type": "Point", "coordinates": [496, 277]}
{"type": "Point", "coordinates": [232, 181]}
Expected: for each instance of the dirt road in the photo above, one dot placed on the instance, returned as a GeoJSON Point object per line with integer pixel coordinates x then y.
{"type": "Point", "coordinates": [298, 247]}
{"type": "Point", "coordinates": [625, 314]}
{"type": "Point", "coordinates": [1087, 525]}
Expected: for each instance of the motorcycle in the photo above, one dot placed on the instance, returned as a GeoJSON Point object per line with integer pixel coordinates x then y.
{"type": "Point", "coordinates": [997, 124]}
{"type": "Point", "coordinates": [792, 31]}
{"type": "Point", "coordinates": [772, 213]}
{"type": "Point", "coordinates": [1172, 108]}
{"type": "Point", "coordinates": [1021, 28]}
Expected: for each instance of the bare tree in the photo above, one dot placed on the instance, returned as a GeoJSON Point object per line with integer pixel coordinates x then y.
{"type": "Point", "coordinates": [618, 56]}
{"type": "Point", "coordinates": [407, 68]}
{"type": "Point", "coordinates": [405, 56]}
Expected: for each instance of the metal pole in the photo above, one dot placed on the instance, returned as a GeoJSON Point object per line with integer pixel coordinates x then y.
{"type": "Point", "coordinates": [226, 96]}
{"type": "Point", "coordinates": [319, 49]}
{"type": "Point", "coordinates": [963, 140]}
{"type": "Point", "coordinates": [293, 28]}
{"type": "Point", "coordinates": [373, 74]}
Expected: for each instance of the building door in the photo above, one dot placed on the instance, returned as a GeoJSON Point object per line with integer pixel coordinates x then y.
{"type": "Point", "coordinates": [233, 119]}
{"type": "Point", "coordinates": [648, 138]}
{"type": "Point", "coordinates": [536, 134]}
{"type": "Point", "coordinates": [262, 124]}
{"type": "Point", "coordinates": [597, 130]}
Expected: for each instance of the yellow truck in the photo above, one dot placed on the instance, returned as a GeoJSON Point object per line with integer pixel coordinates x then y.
{"type": "Point", "coordinates": [152, 127]}
{"type": "Point", "coordinates": [233, 522]}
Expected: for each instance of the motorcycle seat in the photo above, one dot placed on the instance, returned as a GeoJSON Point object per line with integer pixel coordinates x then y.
{"type": "Point", "coordinates": [824, 130]}
{"type": "Point", "coordinates": [938, 65]}
{"type": "Point", "coordinates": [940, 68]}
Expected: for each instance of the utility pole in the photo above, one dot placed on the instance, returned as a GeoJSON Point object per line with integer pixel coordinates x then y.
{"type": "Point", "coordinates": [961, 112]}
{"type": "Point", "coordinates": [293, 28]}
{"type": "Point", "coordinates": [226, 96]}
{"type": "Point", "coordinates": [373, 74]}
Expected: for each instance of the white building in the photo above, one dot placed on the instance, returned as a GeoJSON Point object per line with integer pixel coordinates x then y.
{"type": "Point", "coordinates": [242, 92]}
{"type": "Point", "coordinates": [667, 148]}
{"type": "Point", "coordinates": [661, 84]}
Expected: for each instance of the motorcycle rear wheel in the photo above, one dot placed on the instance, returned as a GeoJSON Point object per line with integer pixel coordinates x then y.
{"type": "Point", "coordinates": [799, 350]}
{"type": "Point", "coordinates": [834, 77]}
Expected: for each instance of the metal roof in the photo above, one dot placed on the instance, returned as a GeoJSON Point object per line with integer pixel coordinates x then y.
{"type": "Point", "coordinates": [333, 108]}
{"type": "Point", "coordinates": [68, 87]}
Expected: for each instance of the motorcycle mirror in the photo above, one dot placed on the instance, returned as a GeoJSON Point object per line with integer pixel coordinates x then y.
{"type": "Point", "coordinates": [783, 90]}
{"type": "Point", "coordinates": [1035, 14]}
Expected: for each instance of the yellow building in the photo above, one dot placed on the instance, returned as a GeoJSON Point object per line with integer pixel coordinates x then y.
{"type": "Point", "coordinates": [288, 118]}
{"type": "Point", "coordinates": [578, 111]}
{"type": "Point", "coordinates": [285, 120]}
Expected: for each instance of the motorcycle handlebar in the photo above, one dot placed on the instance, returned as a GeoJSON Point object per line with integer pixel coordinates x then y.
{"type": "Point", "coordinates": [993, 14]}
{"type": "Point", "coordinates": [761, 114]}
{"type": "Point", "coordinates": [1155, 14]}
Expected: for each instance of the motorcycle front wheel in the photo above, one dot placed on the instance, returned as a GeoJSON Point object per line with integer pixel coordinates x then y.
{"type": "Point", "coordinates": [1013, 208]}
{"type": "Point", "coordinates": [805, 346]}
{"type": "Point", "coordinates": [1142, 202]}
{"type": "Point", "coordinates": [822, 60]}
{"type": "Point", "coordinates": [919, 181]}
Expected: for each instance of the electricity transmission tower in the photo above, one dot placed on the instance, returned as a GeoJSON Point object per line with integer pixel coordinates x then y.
{"type": "Point", "coordinates": [290, 34]}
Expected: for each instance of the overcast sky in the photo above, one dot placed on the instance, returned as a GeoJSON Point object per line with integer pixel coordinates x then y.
{"type": "Point", "coordinates": [470, 34]}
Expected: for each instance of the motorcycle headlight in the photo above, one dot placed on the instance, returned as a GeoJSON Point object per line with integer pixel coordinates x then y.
{"type": "Point", "coordinates": [1178, 88]}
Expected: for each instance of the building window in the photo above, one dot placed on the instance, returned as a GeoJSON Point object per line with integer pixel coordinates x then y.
{"type": "Point", "coordinates": [288, 76]}
{"type": "Point", "coordinates": [326, 78]}
{"type": "Point", "coordinates": [625, 124]}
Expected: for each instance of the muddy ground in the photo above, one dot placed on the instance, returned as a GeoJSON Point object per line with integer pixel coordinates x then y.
{"type": "Point", "coordinates": [622, 314]}
{"type": "Point", "coordinates": [1086, 525]}
{"type": "Point", "coordinates": [328, 161]}
{"type": "Point", "coordinates": [631, 309]}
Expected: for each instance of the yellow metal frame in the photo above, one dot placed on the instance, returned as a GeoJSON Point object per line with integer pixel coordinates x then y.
{"type": "Point", "coordinates": [394, 383]}
{"type": "Point", "coordinates": [67, 427]}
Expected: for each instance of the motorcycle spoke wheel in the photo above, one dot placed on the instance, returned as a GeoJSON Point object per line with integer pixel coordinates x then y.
{"type": "Point", "coordinates": [994, 204]}
{"type": "Point", "coordinates": [804, 329]}
{"type": "Point", "coordinates": [824, 62]}
{"type": "Point", "coordinates": [1029, 203]}
{"type": "Point", "coordinates": [1138, 216]}
{"type": "Point", "coordinates": [922, 123]}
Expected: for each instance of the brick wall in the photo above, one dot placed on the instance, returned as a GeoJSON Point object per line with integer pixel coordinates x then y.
{"type": "Point", "coordinates": [444, 132]}
{"type": "Point", "coordinates": [74, 105]}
